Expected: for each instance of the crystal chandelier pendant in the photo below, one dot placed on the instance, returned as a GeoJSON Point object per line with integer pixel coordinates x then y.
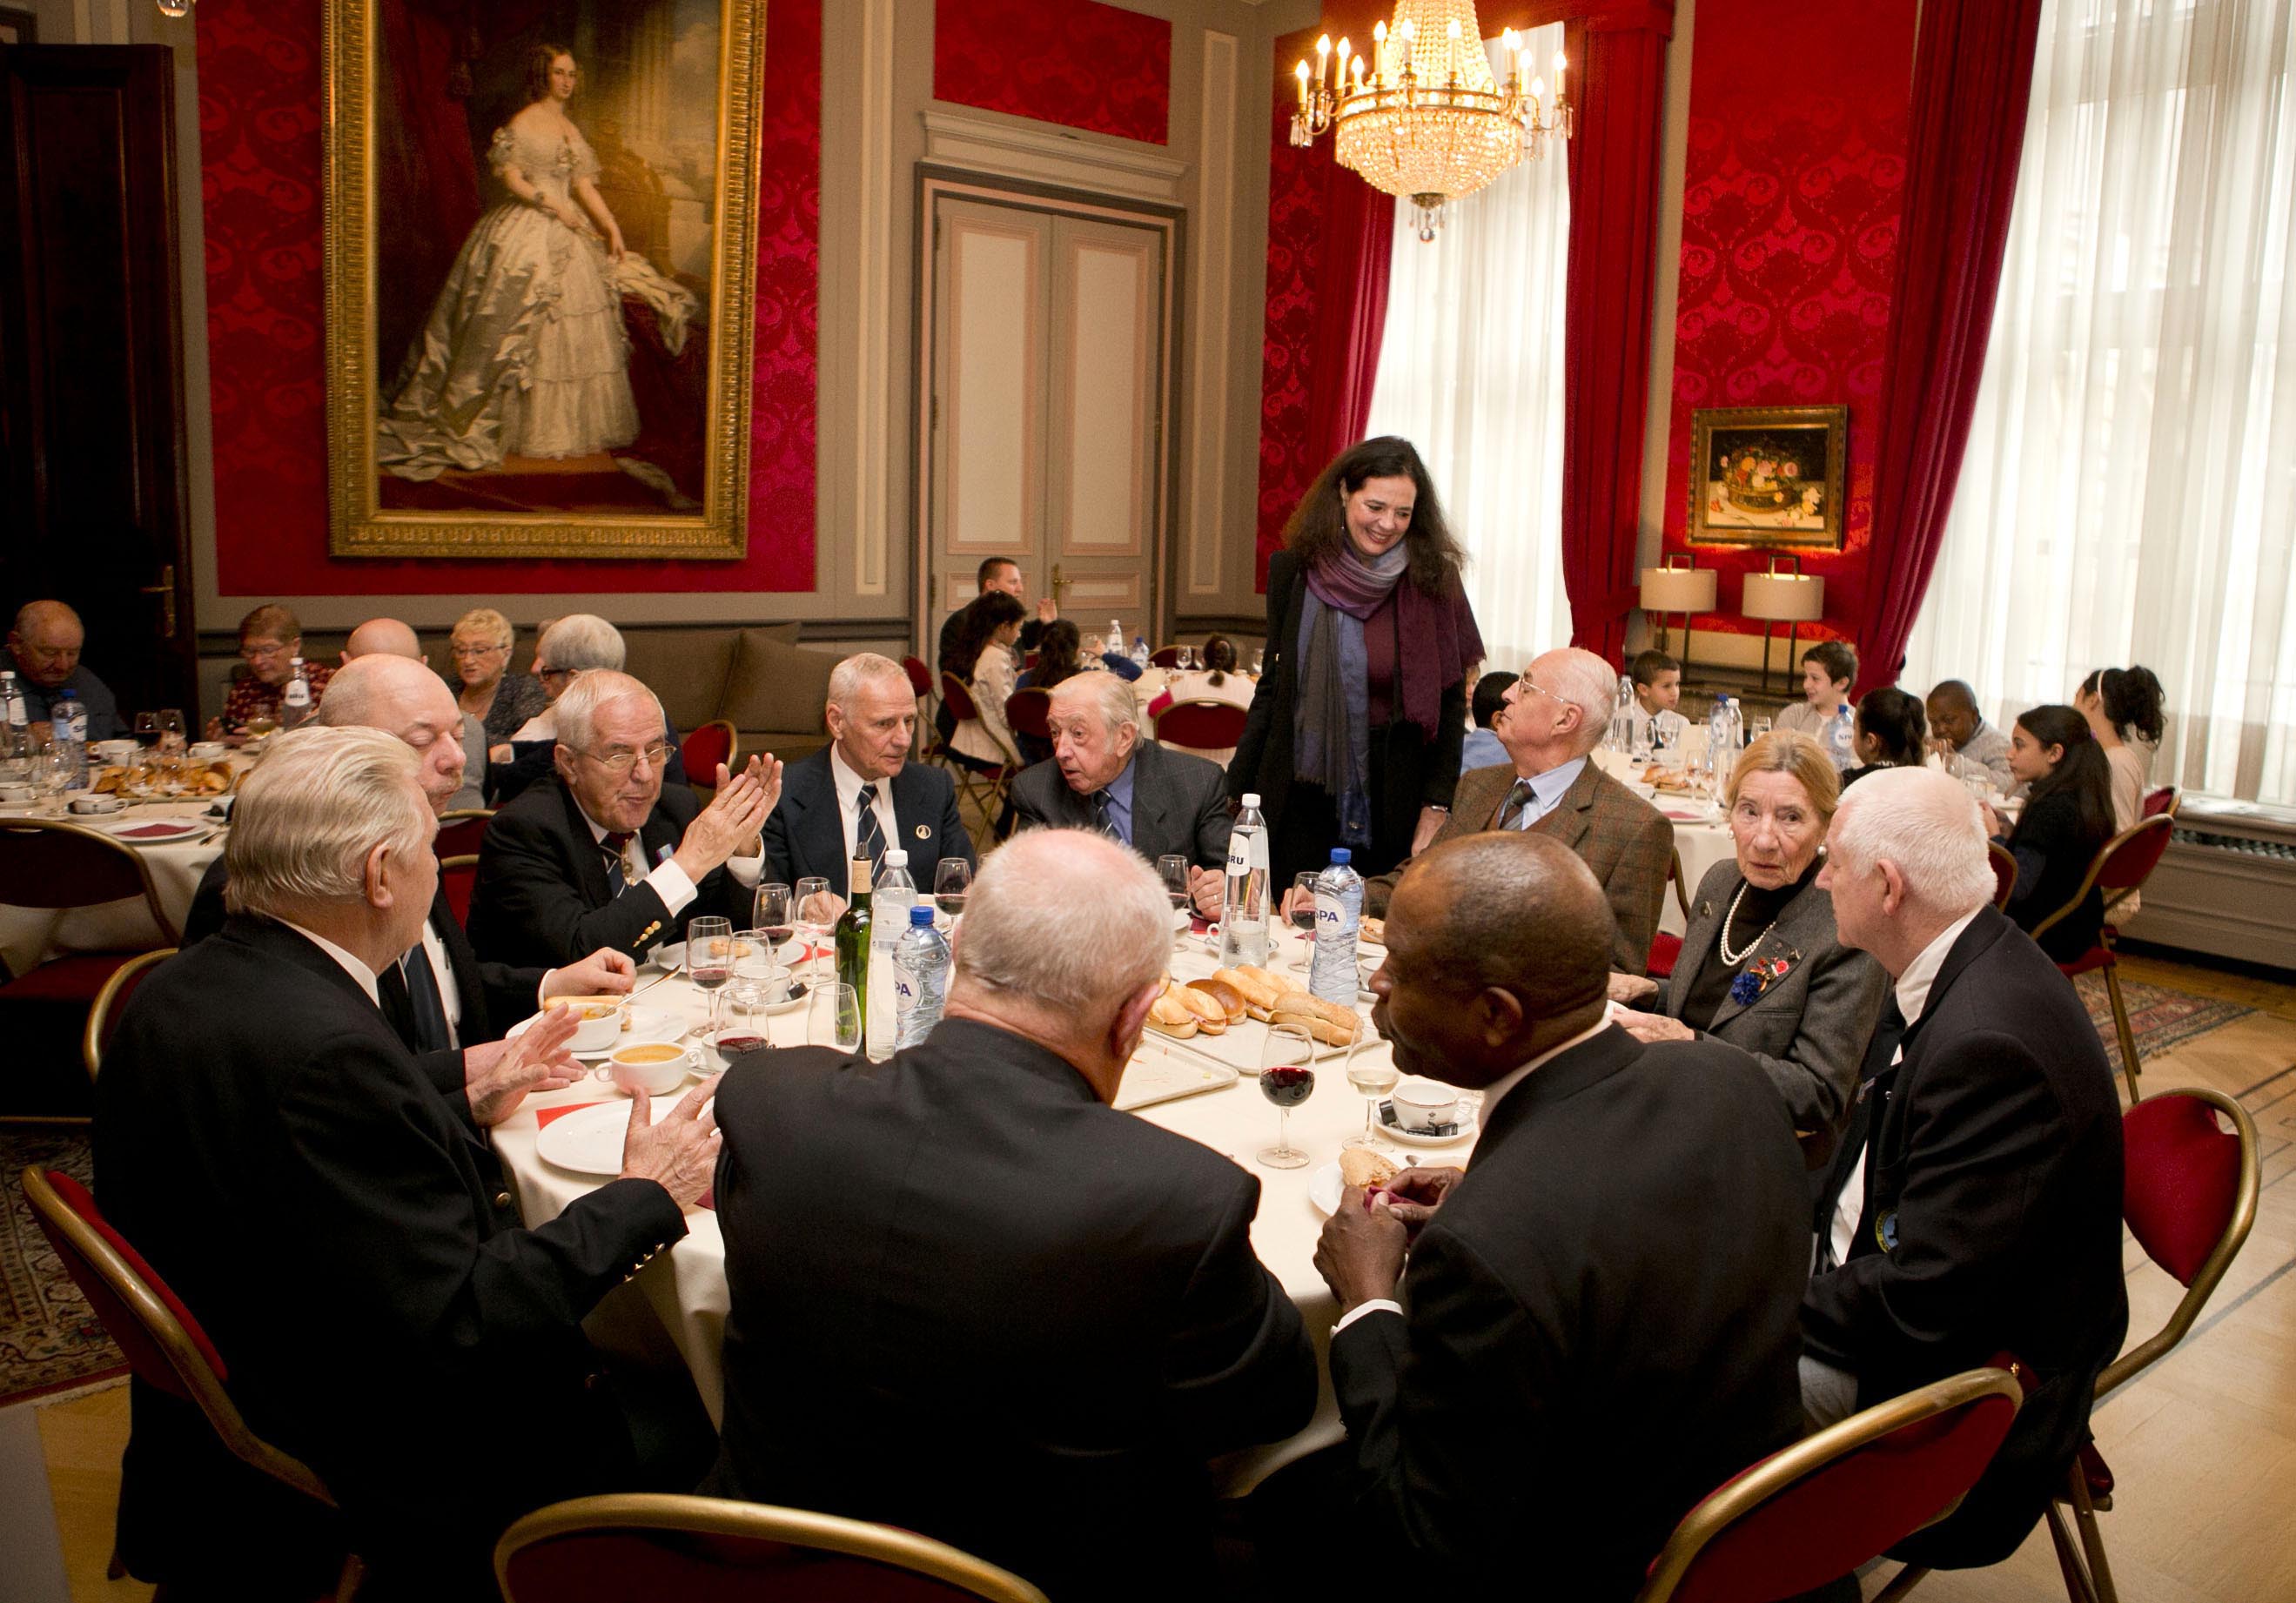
{"type": "Point", "coordinates": [176, 8]}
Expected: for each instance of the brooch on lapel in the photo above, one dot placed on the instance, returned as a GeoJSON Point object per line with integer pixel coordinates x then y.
{"type": "Point", "coordinates": [924, 831]}
{"type": "Point", "coordinates": [1758, 978]}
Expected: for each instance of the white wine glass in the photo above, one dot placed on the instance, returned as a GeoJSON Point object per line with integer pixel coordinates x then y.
{"type": "Point", "coordinates": [1172, 869]}
{"type": "Point", "coordinates": [812, 903]}
{"type": "Point", "coordinates": [833, 1017]}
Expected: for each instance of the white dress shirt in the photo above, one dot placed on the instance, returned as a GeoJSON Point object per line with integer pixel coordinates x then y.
{"type": "Point", "coordinates": [670, 882]}
{"type": "Point", "coordinates": [442, 973]}
{"type": "Point", "coordinates": [1546, 792]}
{"type": "Point", "coordinates": [850, 786]}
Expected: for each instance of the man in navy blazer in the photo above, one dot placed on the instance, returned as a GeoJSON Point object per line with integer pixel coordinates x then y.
{"type": "Point", "coordinates": [872, 721]}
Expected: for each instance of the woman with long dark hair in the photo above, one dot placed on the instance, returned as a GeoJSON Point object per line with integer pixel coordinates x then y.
{"type": "Point", "coordinates": [983, 656]}
{"type": "Point", "coordinates": [1354, 730]}
{"type": "Point", "coordinates": [2124, 709]}
{"type": "Point", "coordinates": [2068, 815]}
{"type": "Point", "coordinates": [1889, 730]}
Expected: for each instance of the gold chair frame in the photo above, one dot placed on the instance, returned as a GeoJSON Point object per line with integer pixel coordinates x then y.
{"type": "Point", "coordinates": [733, 752]}
{"type": "Point", "coordinates": [169, 935]}
{"type": "Point", "coordinates": [718, 1516]}
{"type": "Point", "coordinates": [988, 795]}
{"type": "Point", "coordinates": [1740, 1498]}
{"type": "Point", "coordinates": [1674, 877]}
{"type": "Point", "coordinates": [91, 1037]}
{"type": "Point", "coordinates": [2000, 857]}
{"type": "Point", "coordinates": [2130, 1066]}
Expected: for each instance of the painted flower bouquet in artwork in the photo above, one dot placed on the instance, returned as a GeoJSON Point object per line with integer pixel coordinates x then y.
{"type": "Point", "coordinates": [1769, 476]}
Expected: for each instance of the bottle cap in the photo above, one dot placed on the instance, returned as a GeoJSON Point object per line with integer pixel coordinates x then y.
{"type": "Point", "coordinates": [921, 916]}
{"type": "Point", "coordinates": [896, 858]}
{"type": "Point", "coordinates": [1251, 799]}
{"type": "Point", "coordinates": [1340, 854]}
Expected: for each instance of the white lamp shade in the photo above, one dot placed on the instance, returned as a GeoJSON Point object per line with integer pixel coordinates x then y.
{"type": "Point", "coordinates": [1784, 597]}
{"type": "Point", "coordinates": [1678, 590]}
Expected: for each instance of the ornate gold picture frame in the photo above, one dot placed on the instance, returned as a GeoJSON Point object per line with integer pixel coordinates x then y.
{"type": "Point", "coordinates": [541, 238]}
{"type": "Point", "coordinates": [1770, 477]}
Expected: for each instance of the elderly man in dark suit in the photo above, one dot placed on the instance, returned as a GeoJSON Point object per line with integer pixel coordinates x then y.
{"type": "Point", "coordinates": [389, 1321]}
{"type": "Point", "coordinates": [1555, 716]}
{"type": "Point", "coordinates": [1988, 1216]}
{"type": "Point", "coordinates": [1598, 1324]}
{"type": "Point", "coordinates": [440, 996]}
{"type": "Point", "coordinates": [860, 794]}
{"type": "Point", "coordinates": [989, 1308]}
{"type": "Point", "coordinates": [1103, 776]}
{"type": "Point", "coordinates": [605, 855]}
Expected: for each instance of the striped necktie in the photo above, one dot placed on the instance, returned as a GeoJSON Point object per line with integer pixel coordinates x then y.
{"type": "Point", "coordinates": [1518, 799]}
{"type": "Point", "coordinates": [869, 831]}
{"type": "Point", "coordinates": [616, 846]}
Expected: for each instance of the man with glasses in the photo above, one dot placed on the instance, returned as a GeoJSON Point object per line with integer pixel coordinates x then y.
{"type": "Point", "coordinates": [270, 640]}
{"type": "Point", "coordinates": [1555, 715]}
{"type": "Point", "coordinates": [605, 855]}
{"type": "Point", "coordinates": [566, 648]}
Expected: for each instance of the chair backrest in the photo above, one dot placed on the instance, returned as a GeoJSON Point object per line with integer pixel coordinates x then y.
{"type": "Point", "coordinates": [2005, 873]}
{"type": "Point", "coordinates": [458, 876]}
{"type": "Point", "coordinates": [920, 676]}
{"type": "Point", "coordinates": [708, 745]}
{"type": "Point", "coordinates": [2188, 1192]}
{"type": "Point", "coordinates": [2166, 800]}
{"type": "Point", "coordinates": [1206, 725]}
{"type": "Point", "coordinates": [1167, 657]}
{"type": "Point", "coordinates": [1817, 1510]}
{"type": "Point", "coordinates": [2123, 863]}
{"type": "Point", "coordinates": [639, 1546]}
{"type": "Point", "coordinates": [1029, 712]}
{"type": "Point", "coordinates": [164, 1344]}
{"type": "Point", "coordinates": [1674, 877]}
{"type": "Point", "coordinates": [957, 697]}
{"type": "Point", "coordinates": [460, 831]}
{"type": "Point", "coordinates": [51, 864]}
{"type": "Point", "coordinates": [103, 1013]}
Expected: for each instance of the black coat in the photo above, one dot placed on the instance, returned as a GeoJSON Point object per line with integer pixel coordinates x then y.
{"type": "Point", "coordinates": [348, 1239]}
{"type": "Point", "coordinates": [1178, 805]}
{"type": "Point", "coordinates": [1601, 1327]}
{"type": "Point", "coordinates": [1995, 1173]}
{"type": "Point", "coordinates": [971, 1300]}
{"type": "Point", "coordinates": [805, 833]}
{"type": "Point", "coordinates": [1410, 770]}
{"type": "Point", "coordinates": [2052, 854]}
{"type": "Point", "coordinates": [543, 897]}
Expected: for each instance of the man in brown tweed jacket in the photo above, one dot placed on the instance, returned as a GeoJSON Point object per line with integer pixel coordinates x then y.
{"type": "Point", "coordinates": [1555, 715]}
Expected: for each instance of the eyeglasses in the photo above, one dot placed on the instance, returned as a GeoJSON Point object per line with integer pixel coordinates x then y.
{"type": "Point", "coordinates": [621, 760]}
{"type": "Point", "coordinates": [253, 650]}
{"type": "Point", "coordinates": [542, 673]}
{"type": "Point", "coordinates": [474, 652]}
{"type": "Point", "coordinates": [1530, 686]}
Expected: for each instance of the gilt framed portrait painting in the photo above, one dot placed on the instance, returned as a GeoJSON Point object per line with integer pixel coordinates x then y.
{"type": "Point", "coordinates": [540, 228]}
{"type": "Point", "coordinates": [1769, 476]}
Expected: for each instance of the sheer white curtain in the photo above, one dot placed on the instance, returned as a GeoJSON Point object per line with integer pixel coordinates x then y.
{"type": "Point", "coordinates": [2129, 493]}
{"type": "Point", "coordinates": [1471, 372]}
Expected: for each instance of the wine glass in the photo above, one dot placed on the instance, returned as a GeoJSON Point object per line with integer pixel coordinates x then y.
{"type": "Point", "coordinates": [812, 903]}
{"type": "Point", "coordinates": [833, 1017]}
{"type": "Point", "coordinates": [1258, 661]}
{"type": "Point", "coordinates": [147, 729]}
{"type": "Point", "coordinates": [1187, 658]}
{"type": "Point", "coordinates": [52, 774]}
{"type": "Point", "coordinates": [1286, 1078]}
{"type": "Point", "coordinates": [1373, 1073]}
{"type": "Point", "coordinates": [1172, 869]}
{"type": "Point", "coordinates": [710, 960]}
{"type": "Point", "coordinates": [1302, 916]}
{"type": "Point", "coordinates": [172, 729]}
{"type": "Point", "coordinates": [951, 880]}
{"type": "Point", "coordinates": [773, 913]}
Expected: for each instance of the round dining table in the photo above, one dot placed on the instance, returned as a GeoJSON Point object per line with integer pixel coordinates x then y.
{"type": "Point", "coordinates": [28, 935]}
{"type": "Point", "coordinates": [1213, 1099]}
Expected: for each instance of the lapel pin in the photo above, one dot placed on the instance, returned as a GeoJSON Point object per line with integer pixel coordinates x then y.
{"type": "Point", "coordinates": [924, 831]}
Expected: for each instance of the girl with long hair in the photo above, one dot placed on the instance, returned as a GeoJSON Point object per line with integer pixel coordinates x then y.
{"type": "Point", "coordinates": [1889, 728]}
{"type": "Point", "coordinates": [2124, 709]}
{"type": "Point", "coordinates": [2068, 815]}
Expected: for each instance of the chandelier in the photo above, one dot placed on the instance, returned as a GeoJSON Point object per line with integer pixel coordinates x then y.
{"type": "Point", "coordinates": [1425, 119]}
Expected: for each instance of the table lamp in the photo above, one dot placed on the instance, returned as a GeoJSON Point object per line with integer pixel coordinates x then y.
{"type": "Point", "coordinates": [1677, 585]}
{"type": "Point", "coordinates": [1792, 598]}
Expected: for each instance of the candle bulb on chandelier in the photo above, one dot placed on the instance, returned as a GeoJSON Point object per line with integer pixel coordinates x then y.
{"type": "Point", "coordinates": [1323, 63]}
{"type": "Point", "coordinates": [1346, 53]}
{"type": "Point", "coordinates": [1301, 70]}
{"type": "Point", "coordinates": [1383, 70]}
{"type": "Point", "coordinates": [1359, 75]}
{"type": "Point", "coordinates": [1559, 64]}
{"type": "Point", "coordinates": [1451, 52]}
{"type": "Point", "coordinates": [1507, 53]}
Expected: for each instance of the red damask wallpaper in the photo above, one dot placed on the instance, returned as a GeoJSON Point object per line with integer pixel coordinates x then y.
{"type": "Point", "coordinates": [1074, 62]}
{"type": "Point", "coordinates": [261, 99]}
{"type": "Point", "coordinates": [1792, 193]}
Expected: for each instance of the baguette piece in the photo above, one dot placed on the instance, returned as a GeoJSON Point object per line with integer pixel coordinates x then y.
{"type": "Point", "coordinates": [1253, 985]}
{"type": "Point", "coordinates": [1230, 999]}
{"type": "Point", "coordinates": [1325, 1021]}
{"type": "Point", "coordinates": [1167, 1016]}
{"type": "Point", "coordinates": [1362, 1166]}
{"type": "Point", "coordinates": [1210, 1017]}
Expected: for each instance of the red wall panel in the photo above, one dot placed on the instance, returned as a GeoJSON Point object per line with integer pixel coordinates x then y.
{"type": "Point", "coordinates": [1074, 62]}
{"type": "Point", "coordinates": [261, 99]}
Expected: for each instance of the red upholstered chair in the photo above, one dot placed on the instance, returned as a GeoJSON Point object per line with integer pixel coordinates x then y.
{"type": "Point", "coordinates": [708, 745]}
{"type": "Point", "coordinates": [458, 876]}
{"type": "Point", "coordinates": [462, 831]}
{"type": "Point", "coordinates": [162, 1340]}
{"type": "Point", "coordinates": [1166, 657]}
{"type": "Point", "coordinates": [1666, 950]}
{"type": "Point", "coordinates": [638, 1547]}
{"type": "Point", "coordinates": [103, 1016]}
{"type": "Point", "coordinates": [2166, 800]}
{"type": "Point", "coordinates": [1206, 725]}
{"type": "Point", "coordinates": [1817, 1510]}
{"type": "Point", "coordinates": [2005, 873]}
{"type": "Point", "coordinates": [2122, 863]}
{"type": "Point", "coordinates": [984, 788]}
{"type": "Point", "coordinates": [1029, 712]}
{"type": "Point", "coordinates": [921, 686]}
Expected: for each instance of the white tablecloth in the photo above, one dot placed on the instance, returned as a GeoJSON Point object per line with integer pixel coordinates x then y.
{"type": "Point", "coordinates": [29, 935]}
{"type": "Point", "coordinates": [1700, 838]}
{"type": "Point", "coordinates": [687, 1286]}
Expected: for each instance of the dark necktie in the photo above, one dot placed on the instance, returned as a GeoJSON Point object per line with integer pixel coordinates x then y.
{"type": "Point", "coordinates": [1518, 799]}
{"type": "Point", "coordinates": [615, 842]}
{"type": "Point", "coordinates": [1103, 817]}
{"type": "Point", "coordinates": [408, 994]}
{"type": "Point", "coordinates": [868, 832]}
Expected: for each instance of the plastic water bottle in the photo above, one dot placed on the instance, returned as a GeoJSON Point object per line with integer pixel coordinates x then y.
{"type": "Point", "coordinates": [1623, 714]}
{"type": "Point", "coordinates": [15, 732]}
{"type": "Point", "coordinates": [1243, 917]}
{"type": "Point", "coordinates": [1339, 909]}
{"type": "Point", "coordinates": [1840, 741]}
{"type": "Point", "coordinates": [1114, 644]}
{"type": "Point", "coordinates": [1140, 652]}
{"type": "Point", "coordinates": [920, 977]}
{"type": "Point", "coordinates": [68, 728]}
{"type": "Point", "coordinates": [888, 921]}
{"type": "Point", "coordinates": [295, 703]}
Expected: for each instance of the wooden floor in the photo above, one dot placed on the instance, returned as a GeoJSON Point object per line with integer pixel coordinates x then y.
{"type": "Point", "coordinates": [2203, 1443]}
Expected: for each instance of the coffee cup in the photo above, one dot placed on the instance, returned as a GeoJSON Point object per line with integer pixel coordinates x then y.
{"type": "Point", "coordinates": [209, 751]}
{"type": "Point", "coordinates": [598, 1025]}
{"type": "Point", "coordinates": [115, 751]}
{"type": "Point", "coordinates": [657, 1066]}
{"type": "Point", "coordinates": [13, 795]}
{"type": "Point", "coordinates": [1425, 1104]}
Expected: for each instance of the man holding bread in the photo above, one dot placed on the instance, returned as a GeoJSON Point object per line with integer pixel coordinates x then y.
{"type": "Point", "coordinates": [1599, 1321]}
{"type": "Point", "coordinates": [972, 1299]}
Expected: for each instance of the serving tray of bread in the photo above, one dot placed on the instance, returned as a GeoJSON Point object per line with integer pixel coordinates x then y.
{"type": "Point", "coordinates": [1224, 1016]}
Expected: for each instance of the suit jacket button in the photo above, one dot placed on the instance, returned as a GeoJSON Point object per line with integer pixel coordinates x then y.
{"type": "Point", "coordinates": [502, 1200]}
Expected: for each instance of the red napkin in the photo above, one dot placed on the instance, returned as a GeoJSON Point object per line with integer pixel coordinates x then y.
{"type": "Point", "coordinates": [543, 1117]}
{"type": "Point", "coordinates": [151, 831]}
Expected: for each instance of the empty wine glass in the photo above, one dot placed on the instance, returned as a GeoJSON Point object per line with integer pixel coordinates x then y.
{"type": "Point", "coordinates": [833, 1017]}
{"type": "Point", "coordinates": [1259, 660]}
{"type": "Point", "coordinates": [951, 880]}
{"type": "Point", "coordinates": [53, 774]}
{"type": "Point", "coordinates": [1187, 658]}
{"type": "Point", "coordinates": [1373, 1073]}
{"type": "Point", "coordinates": [812, 905]}
{"type": "Point", "coordinates": [1172, 869]}
{"type": "Point", "coordinates": [710, 960]}
{"type": "Point", "coordinates": [1287, 1078]}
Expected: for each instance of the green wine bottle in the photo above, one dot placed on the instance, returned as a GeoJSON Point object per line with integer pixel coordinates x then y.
{"type": "Point", "coordinates": [853, 938]}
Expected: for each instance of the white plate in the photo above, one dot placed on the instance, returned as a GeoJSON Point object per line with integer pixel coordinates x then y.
{"type": "Point", "coordinates": [131, 830]}
{"type": "Point", "coordinates": [1394, 1132]}
{"type": "Point", "coordinates": [589, 1140]}
{"type": "Point", "coordinates": [1324, 1188]}
{"type": "Point", "coordinates": [647, 1026]}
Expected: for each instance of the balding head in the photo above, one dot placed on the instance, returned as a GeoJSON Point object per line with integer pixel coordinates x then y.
{"type": "Point", "coordinates": [46, 642]}
{"type": "Point", "coordinates": [381, 637]}
{"type": "Point", "coordinates": [1905, 856]}
{"type": "Point", "coordinates": [401, 696]}
{"type": "Point", "coordinates": [1499, 948]}
{"type": "Point", "coordinates": [1560, 713]}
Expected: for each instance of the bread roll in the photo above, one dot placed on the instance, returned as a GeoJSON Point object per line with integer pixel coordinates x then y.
{"type": "Point", "coordinates": [1168, 1015]}
{"type": "Point", "coordinates": [1326, 1021]}
{"type": "Point", "coordinates": [1275, 979]}
{"type": "Point", "coordinates": [1251, 984]}
{"type": "Point", "coordinates": [1372, 932]}
{"type": "Point", "coordinates": [1230, 999]}
{"type": "Point", "coordinates": [1362, 1166]}
{"type": "Point", "coordinates": [1210, 1017]}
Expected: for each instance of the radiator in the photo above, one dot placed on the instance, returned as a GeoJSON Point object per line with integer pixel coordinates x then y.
{"type": "Point", "coordinates": [2226, 885]}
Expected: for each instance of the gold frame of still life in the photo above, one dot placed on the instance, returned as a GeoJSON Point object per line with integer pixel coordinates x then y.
{"type": "Point", "coordinates": [1782, 485]}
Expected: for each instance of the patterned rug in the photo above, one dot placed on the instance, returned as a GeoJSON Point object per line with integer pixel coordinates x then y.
{"type": "Point", "coordinates": [49, 1339]}
{"type": "Point", "coordinates": [2161, 1019]}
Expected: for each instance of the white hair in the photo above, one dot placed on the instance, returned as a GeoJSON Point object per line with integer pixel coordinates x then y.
{"type": "Point", "coordinates": [581, 641]}
{"type": "Point", "coordinates": [847, 679]}
{"type": "Point", "coordinates": [588, 696]}
{"type": "Point", "coordinates": [1065, 921]}
{"type": "Point", "coordinates": [311, 811]}
{"type": "Point", "coordinates": [1589, 683]}
{"type": "Point", "coordinates": [1927, 824]}
{"type": "Point", "coordinates": [1104, 693]}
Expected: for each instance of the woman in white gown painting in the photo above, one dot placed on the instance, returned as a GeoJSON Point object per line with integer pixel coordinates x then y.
{"type": "Point", "coordinates": [525, 353]}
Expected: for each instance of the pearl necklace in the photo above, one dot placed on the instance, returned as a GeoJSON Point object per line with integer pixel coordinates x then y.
{"type": "Point", "coordinates": [1722, 941]}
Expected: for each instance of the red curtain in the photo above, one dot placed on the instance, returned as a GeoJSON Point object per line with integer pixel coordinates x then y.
{"type": "Point", "coordinates": [1973, 77]}
{"type": "Point", "coordinates": [1350, 312]}
{"type": "Point", "coordinates": [1620, 55]}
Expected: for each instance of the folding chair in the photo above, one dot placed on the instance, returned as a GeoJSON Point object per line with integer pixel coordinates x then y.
{"type": "Point", "coordinates": [708, 745]}
{"type": "Point", "coordinates": [2122, 863]}
{"type": "Point", "coordinates": [1028, 713]}
{"type": "Point", "coordinates": [984, 788]}
{"type": "Point", "coordinates": [921, 686]}
{"type": "Point", "coordinates": [1206, 724]}
{"type": "Point", "coordinates": [1166, 657]}
{"type": "Point", "coordinates": [458, 876]}
{"type": "Point", "coordinates": [2166, 800]}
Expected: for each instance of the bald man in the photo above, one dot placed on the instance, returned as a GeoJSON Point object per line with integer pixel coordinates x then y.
{"type": "Point", "coordinates": [1603, 1310]}
{"type": "Point", "coordinates": [388, 637]}
{"type": "Point", "coordinates": [44, 643]}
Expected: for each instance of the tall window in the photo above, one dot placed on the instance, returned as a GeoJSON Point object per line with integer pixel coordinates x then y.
{"type": "Point", "coordinates": [2129, 493]}
{"type": "Point", "coordinates": [1471, 372]}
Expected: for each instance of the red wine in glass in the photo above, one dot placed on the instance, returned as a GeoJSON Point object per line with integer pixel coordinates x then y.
{"type": "Point", "coordinates": [1287, 1087]}
{"type": "Point", "coordinates": [731, 1047]}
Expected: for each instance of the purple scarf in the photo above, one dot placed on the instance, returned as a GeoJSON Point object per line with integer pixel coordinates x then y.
{"type": "Point", "coordinates": [1441, 640]}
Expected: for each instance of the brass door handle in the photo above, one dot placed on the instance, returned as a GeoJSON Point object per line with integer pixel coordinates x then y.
{"type": "Point", "coordinates": [166, 591]}
{"type": "Point", "coordinates": [1059, 584]}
